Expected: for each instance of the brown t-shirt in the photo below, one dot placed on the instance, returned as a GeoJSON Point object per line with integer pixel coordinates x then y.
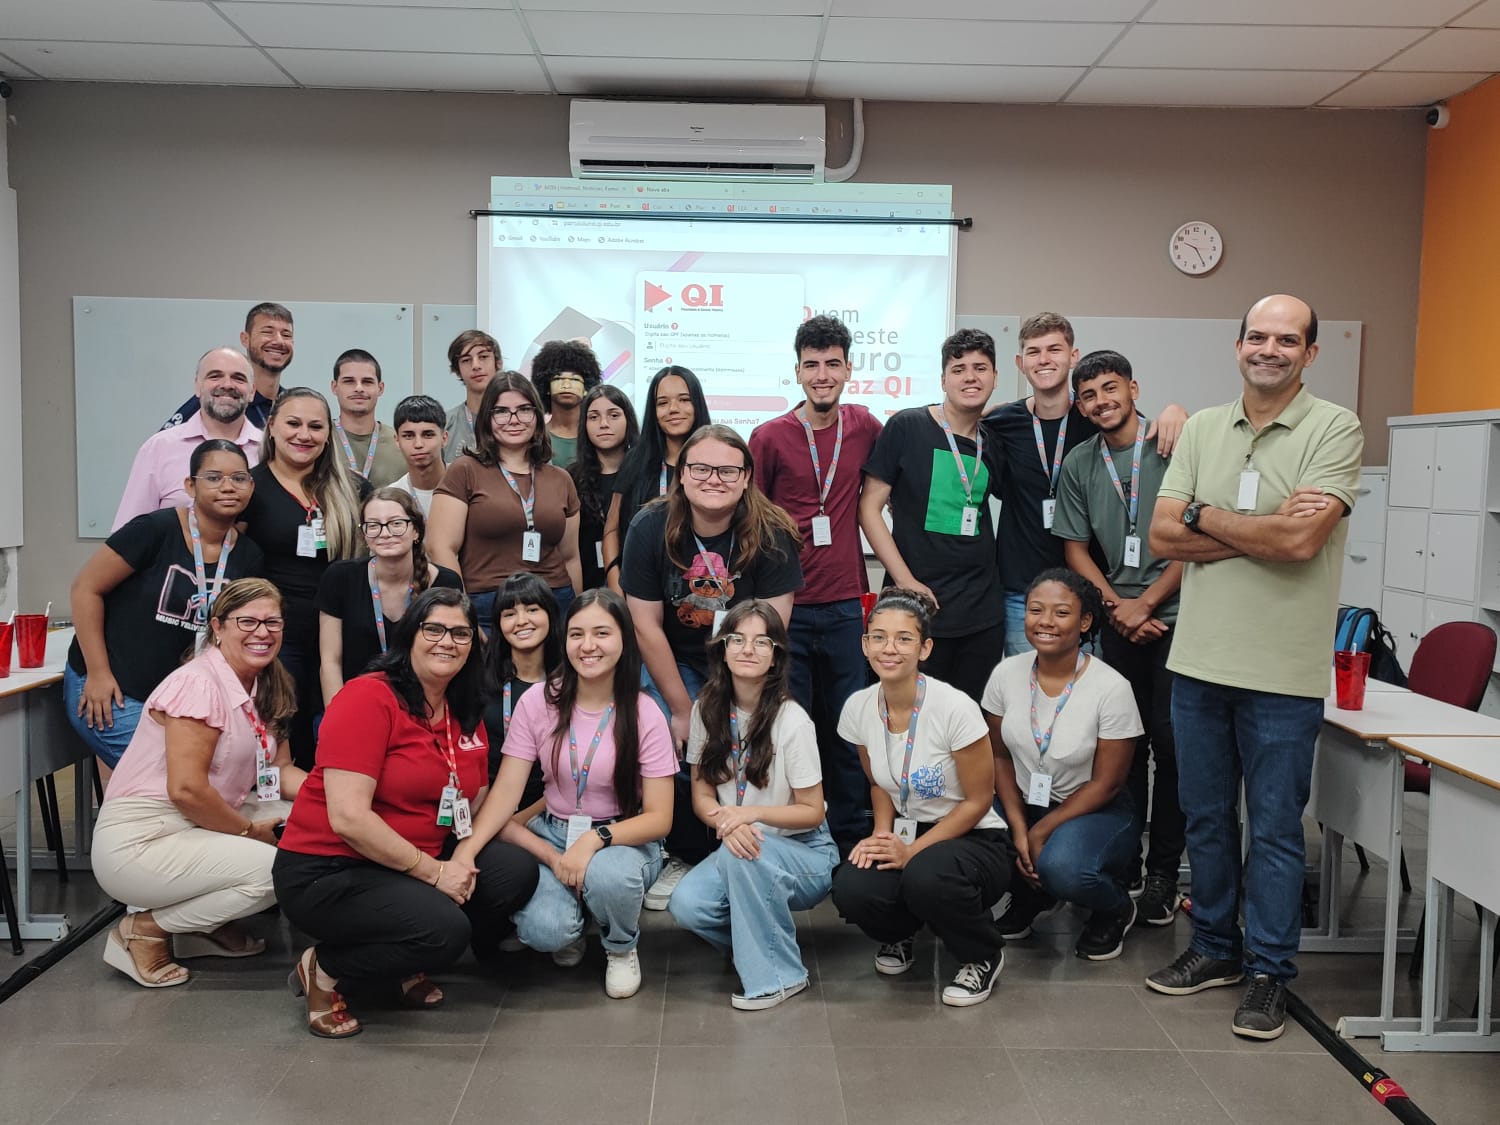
{"type": "Point", "coordinates": [491, 550]}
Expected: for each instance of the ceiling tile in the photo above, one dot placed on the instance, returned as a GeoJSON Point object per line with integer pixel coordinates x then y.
{"type": "Point", "coordinates": [682, 7]}
{"type": "Point", "coordinates": [1452, 49]}
{"type": "Point", "coordinates": [1486, 15]}
{"type": "Point", "coordinates": [413, 70]}
{"type": "Point", "coordinates": [1387, 89]}
{"type": "Point", "coordinates": [1263, 48]}
{"type": "Point", "coordinates": [116, 21]}
{"type": "Point", "coordinates": [146, 62]}
{"type": "Point", "coordinates": [683, 77]}
{"type": "Point", "coordinates": [966, 41]}
{"type": "Point", "coordinates": [344, 27]}
{"type": "Point", "coordinates": [1114, 86]}
{"type": "Point", "coordinates": [1119, 11]}
{"type": "Point", "coordinates": [1329, 13]}
{"type": "Point", "coordinates": [920, 83]}
{"type": "Point", "coordinates": [676, 37]}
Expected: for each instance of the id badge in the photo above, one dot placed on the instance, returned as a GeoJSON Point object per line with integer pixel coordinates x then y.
{"type": "Point", "coordinates": [531, 546]}
{"type": "Point", "coordinates": [307, 544]}
{"type": "Point", "coordinates": [319, 533]}
{"type": "Point", "coordinates": [599, 555]}
{"type": "Point", "coordinates": [1040, 793]}
{"type": "Point", "coordinates": [1249, 490]}
{"type": "Point", "coordinates": [905, 829]}
{"type": "Point", "coordinates": [463, 821]}
{"type": "Point", "coordinates": [719, 615]}
{"type": "Point", "coordinates": [445, 806]}
{"type": "Point", "coordinates": [969, 524]}
{"type": "Point", "coordinates": [822, 529]}
{"type": "Point", "coordinates": [1049, 509]}
{"type": "Point", "coordinates": [1132, 550]}
{"type": "Point", "coordinates": [579, 826]}
{"type": "Point", "coordinates": [268, 783]}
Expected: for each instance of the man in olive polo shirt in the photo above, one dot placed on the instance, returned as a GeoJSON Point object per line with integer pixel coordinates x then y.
{"type": "Point", "coordinates": [1253, 503]}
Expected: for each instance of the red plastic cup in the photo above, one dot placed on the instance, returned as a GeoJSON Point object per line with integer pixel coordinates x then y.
{"type": "Point", "coordinates": [31, 639]}
{"type": "Point", "coordinates": [867, 603]}
{"type": "Point", "coordinates": [1350, 671]}
{"type": "Point", "coordinates": [6, 629]}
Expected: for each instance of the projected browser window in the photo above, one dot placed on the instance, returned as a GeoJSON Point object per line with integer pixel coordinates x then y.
{"type": "Point", "coordinates": [580, 260]}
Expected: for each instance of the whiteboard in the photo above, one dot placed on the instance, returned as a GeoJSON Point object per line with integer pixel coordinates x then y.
{"type": "Point", "coordinates": [440, 323]}
{"type": "Point", "coordinates": [133, 364]}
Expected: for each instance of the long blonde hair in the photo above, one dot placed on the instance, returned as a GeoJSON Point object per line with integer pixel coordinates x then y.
{"type": "Point", "coordinates": [331, 482]}
{"type": "Point", "coordinates": [275, 693]}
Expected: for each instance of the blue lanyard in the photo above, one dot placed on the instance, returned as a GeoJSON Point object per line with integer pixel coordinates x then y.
{"type": "Point", "coordinates": [1042, 738]}
{"type": "Point", "coordinates": [349, 450]}
{"type": "Point", "coordinates": [528, 503]}
{"type": "Point", "coordinates": [963, 473]}
{"type": "Point", "coordinates": [581, 774]}
{"type": "Point", "coordinates": [911, 735]}
{"type": "Point", "coordinates": [740, 757]}
{"type": "Point", "coordinates": [379, 605]}
{"type": "Point", "coordinates": [505, 708]}
{"type": "Point", "coordinates": [825, 485]}
{"type": "Point", "coordinates": [663, 480]}
{"type": "Point", "coordinates": [1041, 447]}
{"type": "Point", "coordinates": [1133, 505]}
{"type": "Point", "coordinates": [201, 571]}
{"type": "Point", "coordinates": [704, 554]}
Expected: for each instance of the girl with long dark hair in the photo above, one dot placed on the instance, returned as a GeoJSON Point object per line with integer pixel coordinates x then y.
{"type": "Point", "coordinates": [525, 649]}
{"type": "Point", "coordinates": [608, 434]}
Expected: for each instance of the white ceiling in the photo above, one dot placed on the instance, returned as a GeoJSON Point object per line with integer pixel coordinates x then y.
{"type": "Point", "coordinates": [1347, 53]}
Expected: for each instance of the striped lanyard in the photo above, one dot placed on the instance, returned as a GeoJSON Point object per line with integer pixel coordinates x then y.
{"type": "Point", "coordinates": [963, 473]}
{"type": "Point", "coordinates": [825, 484]}
{"type": "Point", "coordinates": [705, 555]}
{"type": "Point", "coordinates": [349, 449]}
{"type": "Point", "coordinates": [1044, 738]}
{"type": "Point", "coordinates": [581, 773]}
{"type": "Point", "coordinates": [663, 480]}
{"type": "Point", "coordinates": [505, 708]}
{"type": "Point", "coordinates": [911, 735]}
{"type": "Point", "coordinates": [445, 748]}
{"type": "Point", "coordinates": [1041, 447]}
{"type": "Point", "coordinates": [739, 756]}
{"type": "Point", "coordinates": [379, 606]}
{"type": "Point", "coordinates": [528, 503]}
{"type": "Point", "coordinates": [1132, 506]}
{"type": "Point", "coordinates": [204, 599]}
{"type": "Point", "coordinates": [262, 741]}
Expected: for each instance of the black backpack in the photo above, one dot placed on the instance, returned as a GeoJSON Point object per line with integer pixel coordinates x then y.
{"type": "Point", "coordinates": [1360, 630]}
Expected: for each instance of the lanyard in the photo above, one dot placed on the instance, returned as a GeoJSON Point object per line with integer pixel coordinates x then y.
{"type": "Point", "coordinates": [581, 773]}
{"type": "Point", "coordinates": [704, 554]}
{"type": "Point", "coordinates": [202, 573]}
{"type": "Point", "coordinates": [505, 708]}
{"type": "Point", "coordinates": [825, 485]}
{"type": "Point", "coordinates": [379, 606]}
{"type": "Point", "coordinates": [1133, 505]}
{"type": "Point", "coordinates": [661, 481]}
{"type": "Point", "coordinates": [911, 735]}
{"type": "Point", "coordinates": [349, 449]}
{"type": "Point", "coordinates": [1044, 738]}
{"type": "Point", "coordinates": [312, 512]}
{"type": "Point", "coordinates": [445, 748]}
{"type": "Point", "coordinates": [1041, 447]}
{"type": "Point", "coordinates": [528, 503]}
{"type": "Point", "coordinates": [739, 756]}
{"type": "Point", "coordinates": [963, 473]}
{"type": "Point", "coordinates": [263, 749]}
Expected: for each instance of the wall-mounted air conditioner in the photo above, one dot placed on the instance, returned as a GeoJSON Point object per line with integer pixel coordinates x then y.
{"type": "Point", "coordinates": [688, 141]}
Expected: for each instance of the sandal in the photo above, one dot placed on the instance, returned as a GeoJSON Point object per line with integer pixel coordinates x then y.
{"type": "Point", "coordinates": [420, 993]}
{"type": "Point", "coordinates": [117, 955]}
{"type": "Point", "coordinates": [328, 1016]}
{"type": "Point", "coordinates": [227, 941]}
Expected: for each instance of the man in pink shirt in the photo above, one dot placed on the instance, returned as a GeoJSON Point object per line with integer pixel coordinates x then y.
{"type": "Point", "coordinates": [223, 386]}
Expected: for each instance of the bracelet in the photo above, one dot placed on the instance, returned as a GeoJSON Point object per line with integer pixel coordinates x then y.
{"type": "Point", "coordinates": [245, 831]}
{"type": "Point", "coordinates": [439, 878]}
{"type": "Point", "coordinates": [412, 866]}
{"type": "Point", "coordinates": [613, 564]}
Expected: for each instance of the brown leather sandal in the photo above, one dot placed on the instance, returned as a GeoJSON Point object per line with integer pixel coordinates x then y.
{"type": "Point", "coordinates": [420, 993]}
{"type": "Point", "coordinates": [328, 1016]}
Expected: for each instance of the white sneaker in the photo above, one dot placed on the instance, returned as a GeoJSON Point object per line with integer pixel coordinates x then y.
{"type": "Point", "coordinates": [765, 1000]}
{"type": "Point", "coordinates": [569, 955]}
{"type": "Point", "coordinates": [660, 893]}
{"type": "Point", "coordinates": [622, 974]}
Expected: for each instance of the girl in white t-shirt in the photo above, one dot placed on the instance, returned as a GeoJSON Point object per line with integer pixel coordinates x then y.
{"type": "Point", "coordinates": [758, 785]}
{"type": "Point", "coordinates": [939, 855]}
{"type": "Point", "coordinates": [1064, 726]}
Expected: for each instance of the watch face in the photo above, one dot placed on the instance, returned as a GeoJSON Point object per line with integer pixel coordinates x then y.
{"type": "Point", "coordinates": [1195, 247]}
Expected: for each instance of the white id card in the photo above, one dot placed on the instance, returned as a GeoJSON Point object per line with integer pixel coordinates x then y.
{"type": "Point", "coordinates": [445, 806]}
{"type": "Point", "coordinates": [268, 783]}
{"type": "Point", "coordinates": [822, 529]}
{"type": "Point", "coordinates": [320, 533]}
{"type": "Point", "coordinates": [307, 544]}
{"type": "Point", "coordinates": [906, 829]}
{"type": "Point", "coordinates": [579, 826]}
{"type": "Point", "coordinates": [463, 820]}
{"type": "Point", "coordinates": [531, 546]}
{"type": "Point", "coordinates": [1040, 793]}
{"type": "Point", "coordinates": [969, 523]}
{"type": "Point", "coordinates": [719, 615]}
{"type": "Point", "coordinates": [1049, 509]}
{"type": "Point", "coordinates": [1132, 550]}
{"type": "Point", "coordinates": [1249, 490]}
{"type": "Point", "coordinates": [599, 555]}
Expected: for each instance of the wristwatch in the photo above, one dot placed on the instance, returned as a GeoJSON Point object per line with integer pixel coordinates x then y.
{"type": "Point", "coordinates": [606, 837]}
{"type": "Point", "coordinates": [1190, 516]}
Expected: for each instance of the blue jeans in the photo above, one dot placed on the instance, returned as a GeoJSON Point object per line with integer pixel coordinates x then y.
{"type": "Point", "coordinates": [1223, 734]}
{"type": "Point", "coordinates": [564, 596]}
{"type": "Point", "coordinates": [828, 666]}
{"type": "Point", "coordinates": [109, 743]}
{"type": "Point", "coordinates": [613, 888]}
{"type": "Point", "coordinates": [1015, 623]}
{"type": "Point", "coordinates": [484, 609]}
{"type": "Point", "coordinates": [744, 906]}
{"type": "Point", "coordinates": [1087, 859]}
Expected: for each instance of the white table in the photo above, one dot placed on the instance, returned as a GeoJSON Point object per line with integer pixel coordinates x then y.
{"type": "Point", "coordinates": [1358, 787]}
{"type": "Point", "coordinates": [1463, 829]}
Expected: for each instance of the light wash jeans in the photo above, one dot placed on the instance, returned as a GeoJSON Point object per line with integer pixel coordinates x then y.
{"type": "Point", "coordinates": [109, 743]}
{"type": "Point", "coordinates": [744, 907]}
{"type": "Point", "coordinates": [613, 888]}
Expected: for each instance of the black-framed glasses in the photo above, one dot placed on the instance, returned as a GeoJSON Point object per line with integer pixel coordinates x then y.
{"type": "Point", "coordinates": [397, 526]}
{"type": "Point", "coordinates": [520, 414]}
{"type": "Point", "coordinates": [737, 641]}
{"type": "Point", "coordinates": [249, 625]}
{"type": "Point", "coordinates": [461, 634]}
{"type": "Point", "coordinates": [697, 470]}
{"type": "Point", "coordinates": [213, 478]}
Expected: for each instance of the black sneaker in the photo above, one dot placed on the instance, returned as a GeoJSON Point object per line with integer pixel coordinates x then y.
{"type": "Point", "coordinates": [1027, 904]}
{"type": "Point", "coordinates": [1193, 972]}
{"type": "Point", "coordinates": [1262, 1012]}
{"type": "Point", "coordinates": [973, 982]}
{"type": "Point", "coordinates": [1103, 935]}
{"type": "Point", "coordinates": [895, 958]}
{"type": "Point", "coordinates": [1137, 884]}
{"type": "Point", "coordinates": [1158, 902]}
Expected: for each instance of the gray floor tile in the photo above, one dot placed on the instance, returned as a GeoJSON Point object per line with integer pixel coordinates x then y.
{"type": "Point", "coordinates": [37, 1078]}
{"type": "Point", "coordinates": [1456, 1089]}
{"type": "Point", "coordinates": [363, 1081]}
{"type": "Point", "coordinates": [697, 1012]}
{"type": "Point", "coordinates": [1120, 1087]}
{"type": "Point", "coordinates": [955, 1085]}
{"type": "Point", "coordinates": [1286, 1089]}
{"type": "Point", "coordinates": [550, 1005]}
{"type": "Point", "coordinates": [521, 1082]}
{"type": "Point", "coordinates": [1201, 1023]}
{"type": "Point", "coordinates": [750, 1085]}
{"type": "Point", "coordinates": [1070, 1017]}
{"type": "Point", "coordinates": [189, 1082]}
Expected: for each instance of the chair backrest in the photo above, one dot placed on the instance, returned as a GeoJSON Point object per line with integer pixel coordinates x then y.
{"type": "Point", "coordinates": [1453, 663]}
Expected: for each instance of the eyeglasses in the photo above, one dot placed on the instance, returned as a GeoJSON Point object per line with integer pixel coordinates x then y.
{"type": "Point", "coordinates": [905, 642]}
{"type": "Point", "coordinates": [213, 479]}
{"type": "Point", "coordinates": [520, 414]}
{"type": "Point", "coordinates": [397, 526]}
{"type": "Point", "coordinates": [737, 641]}
{"type": "Point", "coordinates": [726, 473]}
{"type": "Point", "coordinates": [251, 624]}
{"type": "Point", "coordinates": [461, 634]}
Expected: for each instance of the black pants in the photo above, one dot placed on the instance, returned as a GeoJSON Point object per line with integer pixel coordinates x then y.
{"type": "Point", "coordinates": [949, 887]}
{"type": "Point", "coordinates": [689, 839]}
{"type": "Point", "coordinates": [966, 662]}
{"type": "Point", "coordinates": [374, 924]}
{"type": "Point", "coordinates": [1145, 666]}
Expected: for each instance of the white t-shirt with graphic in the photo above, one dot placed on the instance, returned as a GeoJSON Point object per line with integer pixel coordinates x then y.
{"type": "Point", "coordinates": [794, 765]}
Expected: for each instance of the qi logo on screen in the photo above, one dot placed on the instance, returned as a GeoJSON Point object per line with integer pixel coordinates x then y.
{"type": "Point", "coordinates": [693, 296]}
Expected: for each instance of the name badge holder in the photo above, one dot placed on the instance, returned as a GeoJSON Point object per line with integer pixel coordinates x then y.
{"type": "Point", "coordinates": [267, 776]}
{"type": "Point", "coordinates": [1132, 555]}
{"type": "Point", "coordinates": [1249, 490]}
{"type": "Point", "coordinates": [580, 823]}
{"type": "Point", "coordinates": [531, 538]}
{"type": "Point", "coordinates": [453, 806]}
{"type": "Point", "coordinates": [969, 521]}
{"type": "Point", "coordinates": [1040, 790]}
{"type": "Point", "coordinates": [1049, 505]}
{"type": "Point", "coordinates": [905, 827]}
{"type": "Point", "coordinates": [205, 598]}
{"type": "Point", "coordinates": [822, 526]}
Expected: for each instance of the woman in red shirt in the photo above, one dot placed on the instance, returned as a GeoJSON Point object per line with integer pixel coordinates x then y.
{"type": "Point", "coordinates": [364, 863]}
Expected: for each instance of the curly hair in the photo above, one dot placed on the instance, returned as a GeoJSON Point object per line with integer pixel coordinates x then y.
{"type": "Point", "coordinates": [1090, 600]}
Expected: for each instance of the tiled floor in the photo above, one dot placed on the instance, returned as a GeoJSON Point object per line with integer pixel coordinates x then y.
{"type": "Point", "coordinates": [1062, 1040]}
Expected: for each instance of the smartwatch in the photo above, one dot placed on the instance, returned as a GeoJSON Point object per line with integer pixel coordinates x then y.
{"type": "Point", "coordinates": [1190, 517]}
{"type": "Point", "coordinates": [606, 837]}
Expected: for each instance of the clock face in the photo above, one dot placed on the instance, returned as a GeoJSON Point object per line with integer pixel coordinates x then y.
{"type": "Point", "coordinates": [1195, 247]}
